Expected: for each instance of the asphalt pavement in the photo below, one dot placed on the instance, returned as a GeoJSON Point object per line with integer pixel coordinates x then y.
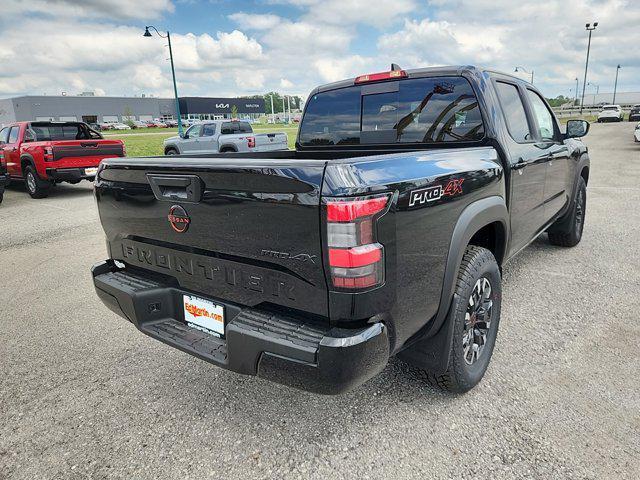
{"type": "Point", "coordinates": [85, 395]}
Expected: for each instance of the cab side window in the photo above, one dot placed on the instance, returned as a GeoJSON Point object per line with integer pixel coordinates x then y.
{"type": "Point", "coordinates": [208, 130]}
{"type": "Point", "coordinates": [4, 135]}
{"type": "Point", "coordinates": [546, 125]}
{"type": "Point", "coordinates": [514, 112]}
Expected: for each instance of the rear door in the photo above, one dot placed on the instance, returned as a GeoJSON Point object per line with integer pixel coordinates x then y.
{"type": "Point", "coordinates": [240, 230]}
{"type": "Point", "coordinates": [556, 191]}
{"type": "Point", "coordinates": [528, 166]}
{"type": "Point", "coordinates": [208, 141]}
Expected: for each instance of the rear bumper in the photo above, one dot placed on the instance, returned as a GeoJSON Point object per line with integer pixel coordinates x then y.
{"type": "Point", "coordinates": [634, 116]}
{"type": "Point", "coordinates": [69, 174]}
{"type": "Point", "coordinates": [290, 350]}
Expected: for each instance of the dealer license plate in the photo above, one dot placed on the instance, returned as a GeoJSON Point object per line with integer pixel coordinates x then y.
{"type": "Point", "coordinates": [204, 314]}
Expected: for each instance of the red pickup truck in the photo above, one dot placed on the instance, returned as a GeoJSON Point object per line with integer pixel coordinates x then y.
{"type": "Point", "coordinates": [45, 153]}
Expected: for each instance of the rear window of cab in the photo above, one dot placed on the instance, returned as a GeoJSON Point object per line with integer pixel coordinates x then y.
{"type": "Point", "coordinates": [420, 110]}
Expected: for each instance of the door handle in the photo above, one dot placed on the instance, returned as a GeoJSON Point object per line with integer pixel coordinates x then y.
{"type": "Point", "coordinates": [186, 188]}
{"type": "Point", "coordinates": [520, 164]}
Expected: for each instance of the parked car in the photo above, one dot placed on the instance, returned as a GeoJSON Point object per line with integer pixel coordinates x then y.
{"type": "Point", "coordinates": [384, 233]}
{"type": "Point", "coordinates": [105, 126]}
{"type": "Point", "coordinates": [634, 114]}
{"type": "Point", "coordinates": [120, 126]}
{"type": "Point", "coordinates": [45, 153]}
{"type": "Point", "coordinates": [138, 124]}
{"type": "Point", "coordinates": [636, 133]}
{"type": "Point", "coordinates": [224, 136]}
{"type": "Point", "coordinates": [171, 123]}
{"type": "Point", "coordinates": [95, 126]}
{"type": "Point", "coordinates": [610, 113]}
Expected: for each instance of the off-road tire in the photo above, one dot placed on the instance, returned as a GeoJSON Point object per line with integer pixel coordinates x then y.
{"type": "Point", "coordinates": [36, 187]}
{"type": "Point", "coordinates": [570, 234]}
{"type": "Point", "coordinates": [477, 263]}
{"type": "Point", "coordinates": [171, 151]}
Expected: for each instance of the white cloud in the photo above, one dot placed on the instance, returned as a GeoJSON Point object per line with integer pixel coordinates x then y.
{"type": "Point", "coordinates": [349, 12]}
{"type": "Point", "coordinates": [124, 9]}
{"type": "Point", "coordinates": [501, 34]}
{"type": "Point", "coordinates": [249, 80]}
{"type": "Point", "coordinates": [333, 69]}
{"type": "Point", "coordinates": [255, 21]}
{"type": "Point", "coordinates": [228, 47]}
{"type": "Point", "coordinates": [94, 45]}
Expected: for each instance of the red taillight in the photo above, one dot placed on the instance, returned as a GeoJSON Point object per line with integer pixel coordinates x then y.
{"type": "Point", "coordinates": [251, 142]}
{"type": "Point", "coordinates": [356, 260]}
{"type": "Point", "coordinates": [377, 77]}
{"type": "Point", "coordinates": [48, 154]}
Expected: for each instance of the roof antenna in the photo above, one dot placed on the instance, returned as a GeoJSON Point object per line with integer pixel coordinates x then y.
{"type": "Point", "coordinates": [395, 67]}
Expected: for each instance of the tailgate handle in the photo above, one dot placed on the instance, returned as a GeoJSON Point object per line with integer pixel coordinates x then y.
{"type": "Point", "coordinates": [186, 188]}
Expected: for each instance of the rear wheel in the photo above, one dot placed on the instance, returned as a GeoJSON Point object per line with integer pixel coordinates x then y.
{"type": "Point", "coordinates": [569, 233]}
{"type": "Point", "coordinates": [475, 313]}
{"type": "Point", "coordinates": [36, 187]}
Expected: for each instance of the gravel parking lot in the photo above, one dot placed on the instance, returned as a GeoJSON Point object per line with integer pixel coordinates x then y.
{"type": "Point", "coordinates": [83, 394]}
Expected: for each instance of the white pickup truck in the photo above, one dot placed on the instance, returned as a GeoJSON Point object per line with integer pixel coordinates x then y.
{"type": "Point", "coordinates": [221, 136]}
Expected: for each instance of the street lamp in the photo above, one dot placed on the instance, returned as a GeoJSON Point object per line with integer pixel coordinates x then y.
{"type": "Point", "coordinates": [518, 69]}
{"type": "Point", "coordinates": [147, 33]}
{"type": "Point", "coordinates": [615, 85]}
{"type": "Point", "coordinates": [576, 100]}
{"type": "Point", "coordinates": [597, 91]}
{"type": "Point", "coordinates": [590, 29]}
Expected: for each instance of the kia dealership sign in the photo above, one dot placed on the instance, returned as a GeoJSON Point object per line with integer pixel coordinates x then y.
{"type": "Point", "coordinates": [198, 105]}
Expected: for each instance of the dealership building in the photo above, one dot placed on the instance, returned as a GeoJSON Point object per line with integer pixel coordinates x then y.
{"type": "Point", "coordinates": [91, 109]}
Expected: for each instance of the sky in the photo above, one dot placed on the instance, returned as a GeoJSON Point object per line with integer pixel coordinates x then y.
{"type": "Point", "coordinates": [234, 48]}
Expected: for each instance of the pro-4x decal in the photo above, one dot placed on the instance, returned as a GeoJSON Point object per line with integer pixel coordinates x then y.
{"type": "Point", "coordinates": [431, 194]}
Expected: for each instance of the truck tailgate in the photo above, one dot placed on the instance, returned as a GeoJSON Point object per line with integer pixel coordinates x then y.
{"type": "Point", "coordinates": [70, 150]}
{"type": "Point", "coordinates": [242, 230]}
{"type": "Point", "coordinates": [266, 142]}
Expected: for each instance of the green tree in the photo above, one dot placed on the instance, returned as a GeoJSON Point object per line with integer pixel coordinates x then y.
{"type": "Point", "coordinates": [128, 116]}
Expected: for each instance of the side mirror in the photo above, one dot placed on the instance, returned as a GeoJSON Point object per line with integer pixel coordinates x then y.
{"type": "Point", "coordinates": [577, 128]}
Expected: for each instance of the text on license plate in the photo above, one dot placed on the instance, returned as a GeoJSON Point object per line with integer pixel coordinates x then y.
{"type": "Point", "coordinates": [204, 314]}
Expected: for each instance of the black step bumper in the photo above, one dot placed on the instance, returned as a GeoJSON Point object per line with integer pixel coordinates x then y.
{"type": "Point", "coordinates": [68, 174]}
{"type": "Point", "coordinates": [290, 350]}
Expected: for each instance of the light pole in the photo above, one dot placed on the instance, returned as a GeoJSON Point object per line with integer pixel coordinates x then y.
{"type": "Point", "coordinates": [597, 91]}
{"type": "Point", "coordinates": [147, 33]}
{"type": "Point", "coordinates": [615, 85]}
{"type": "Point", "coordinates": [518, 69]}
{"type": "Point", "coordinates": [272, 110]}
{"type": "Point", "coordinates": [576, 100]}
{"type": "Point", "coordinates": [590, 29]}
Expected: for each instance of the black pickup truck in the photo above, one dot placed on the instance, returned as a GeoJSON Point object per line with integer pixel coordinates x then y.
{"type": "Point", "coordinates": [383, 233]}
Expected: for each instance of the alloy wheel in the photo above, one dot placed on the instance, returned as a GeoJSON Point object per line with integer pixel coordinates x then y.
{"type": "Point", "coordinates": [477, 321]}
{"type": "Point", "coordinates": [580, 201]}
{"type": "Point", "coordinates": [31, 182]}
